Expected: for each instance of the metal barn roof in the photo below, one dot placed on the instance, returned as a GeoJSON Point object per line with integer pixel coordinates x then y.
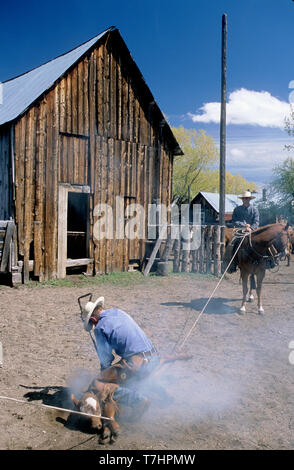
{"type": "Point", "coordinates": [20, 92]}
{"type": "Point", "coordinates": [231, 201]}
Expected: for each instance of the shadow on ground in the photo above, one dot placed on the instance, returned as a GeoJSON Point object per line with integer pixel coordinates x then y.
{"type": "Point", "coordinates": [216, 306]}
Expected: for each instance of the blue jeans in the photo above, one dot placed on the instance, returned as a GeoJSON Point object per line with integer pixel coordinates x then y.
{"type": "Point", "coordinates": [128, 397]}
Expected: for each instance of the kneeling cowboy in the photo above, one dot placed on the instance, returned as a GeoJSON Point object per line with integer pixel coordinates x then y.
{"type": "Point", "coordinates": [246, 217]}
{"type": "Point", "coordinates": [115, 330]}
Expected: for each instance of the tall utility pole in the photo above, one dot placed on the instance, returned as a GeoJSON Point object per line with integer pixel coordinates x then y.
{"type": "Point", "coordinates": [222, 165]}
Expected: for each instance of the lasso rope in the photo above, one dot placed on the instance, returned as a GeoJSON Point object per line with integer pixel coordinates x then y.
{"type": "Point", "coordinates": [55, 408]}
{"type": "Point", "coordinates": [237, 234]}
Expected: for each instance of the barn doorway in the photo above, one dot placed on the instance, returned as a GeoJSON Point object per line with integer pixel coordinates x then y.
{"type": "Point", "coordinates": [73, 229]}
{"type": "Point", "coordinates": [77, 225]}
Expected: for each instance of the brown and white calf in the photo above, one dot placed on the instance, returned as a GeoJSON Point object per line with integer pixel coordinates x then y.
{"type": "Point", "coordinates": [98, 400]}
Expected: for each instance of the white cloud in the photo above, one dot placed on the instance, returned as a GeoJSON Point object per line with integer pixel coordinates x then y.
{"type": "Point", "coordinates": [255, 158]}
{"type": "Point", "coordinates": [257, 108]}
{"type": "Point", "coordinates": [235, 152]}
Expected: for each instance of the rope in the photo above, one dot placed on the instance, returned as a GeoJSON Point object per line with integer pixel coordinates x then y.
{"type": "Point", "coordinates": [214, 290]}
{"type": "Point", "coordinates": [55, 408]}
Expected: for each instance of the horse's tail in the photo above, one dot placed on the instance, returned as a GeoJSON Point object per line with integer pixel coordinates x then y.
{"type": "Point", "coordinates": [252, 282]}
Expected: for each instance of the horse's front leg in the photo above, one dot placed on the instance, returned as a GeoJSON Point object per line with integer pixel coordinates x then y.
{"type": "Point", "coordinates": [244, 277]}
{"type": "Point", "coordinates": [259, 277]}
{"type": "Point", "coordinates": [252, 287]}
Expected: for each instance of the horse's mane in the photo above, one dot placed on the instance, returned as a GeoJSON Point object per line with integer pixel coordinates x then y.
{"type": "Point", "coordinates": [260, 230]}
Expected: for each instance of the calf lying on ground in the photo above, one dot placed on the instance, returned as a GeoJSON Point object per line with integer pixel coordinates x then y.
{"type": "Point", "coordinates": [105, 399]}
{"type": "Point", "coordinates": [98, 400]}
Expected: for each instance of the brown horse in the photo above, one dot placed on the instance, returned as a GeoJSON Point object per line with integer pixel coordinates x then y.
{"type": "Point", "coordinates": [257, 250]}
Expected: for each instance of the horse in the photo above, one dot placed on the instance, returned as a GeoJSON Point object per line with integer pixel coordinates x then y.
{"type": "Point", "coordinates": [256, 253]}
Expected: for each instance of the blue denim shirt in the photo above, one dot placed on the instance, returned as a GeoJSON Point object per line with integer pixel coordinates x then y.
{"type": "Point", "coordinates": [245, 215]}
{"type": "Point", "coordinates": [117, 331]}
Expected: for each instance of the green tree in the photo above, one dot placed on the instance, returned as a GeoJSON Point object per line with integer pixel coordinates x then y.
{"type": "Point", "coordinates": [200, 153]}
{"type": "Point", "coordinates": [283, 182]}
{"type": "Point", "coordinates": [195, 169]}
{"type": "Point", "coordinates": [289, 126]}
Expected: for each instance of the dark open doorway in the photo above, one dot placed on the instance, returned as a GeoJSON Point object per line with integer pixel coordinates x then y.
{"type": "Point", "coordinates": [77, 225]}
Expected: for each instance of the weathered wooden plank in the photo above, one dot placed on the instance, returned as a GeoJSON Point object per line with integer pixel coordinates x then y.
{"type": "Point", "coordinates": [40, 186]}
{"type": "Point", "coordinates": [92, 104]}
{"type": "Point", "coordinates": [86, 94]}
{"type": "Point", "coordinates": [131, 112]}
{"type": "Point", "coordinates": [62, 86]}
{"type": "Point", "coordinates": [117, 243]}
{"type": "Point", "coordinates": [208, 250]}
{"type": "Point", "coordinates": [113, 96]}
{"type": "Point", "coordinates": [68, 109]}
{"type": "Point", "coordinates": [123, 182]}
{"type": "Point", "coordinates": [62, 231]}
{"type": "Point", "coordinates": [37, 249]}
{"type": "Point", "coordinates": [100, 91]}
{"type": "Point", "coordinates": [19, 147]}
{"type": "Point", "coordinates": [74, 100]}
{"type": "Point", "coordinates": [28, 187]}
{"type": "Point", "coordinates": [48, 228]}
{"type": "Point", "coordinates": [202, 250]}
{"type": "Point", "coordinates": [70, 263]}
{"type": "Point", "coordinates": [106, 94]}
{"type": "Point", "coordinates": [216, 251]}
{"type": "Point", "coordinates": [110, 202]}
{"type": "Point", "coordinates": [55, 161]}
{"type": "Point", "coordinates": [97, 200]}
{"type": "Point", "coordinates": [7, 246]}
{"type": "Point", "coordinates": [119, 100]}
{"type": "Point", "coordinates": [80, 97]}
{"type": "Point", "coordinates": [76, 159]}
{"type": "Point", "coordinates": [125, 105]}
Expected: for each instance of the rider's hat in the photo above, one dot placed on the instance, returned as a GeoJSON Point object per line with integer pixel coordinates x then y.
{"type": "Point", "coordinates": [89, 308]}
{"type": "Point", "coordinates": [246, 194]}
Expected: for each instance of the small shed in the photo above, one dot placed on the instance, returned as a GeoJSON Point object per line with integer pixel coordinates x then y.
{"type": "Point", "coordinates": [76, 132]}
{"type": "Point", "coordinates": [209, 203]}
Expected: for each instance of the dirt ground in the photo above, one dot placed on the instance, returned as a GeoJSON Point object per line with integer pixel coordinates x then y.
{"type": "Point", "coordinates": [236, 392]}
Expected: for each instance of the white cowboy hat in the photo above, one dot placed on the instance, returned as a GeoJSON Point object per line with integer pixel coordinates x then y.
{"type": "Point", "coordinates": [89, 308]}
{"type": "Point", "coordinates": [246, 194]}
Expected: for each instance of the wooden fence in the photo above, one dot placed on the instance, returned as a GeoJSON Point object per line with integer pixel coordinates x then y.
{"type": "Point", "coordinates": [201, 254]}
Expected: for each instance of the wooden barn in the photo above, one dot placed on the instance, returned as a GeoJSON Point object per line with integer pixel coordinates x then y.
{"type": "Point", "coordinates": [76, 132]}
{"type": "Point", "coordinates": [209, 203]}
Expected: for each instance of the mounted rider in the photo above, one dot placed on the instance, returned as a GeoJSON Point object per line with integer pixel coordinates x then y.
{"type": "Point", "coordinates": [244, 216]}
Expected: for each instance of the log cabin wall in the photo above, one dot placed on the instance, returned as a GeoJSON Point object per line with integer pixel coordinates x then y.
{"type": "Point", "coordinates": [96, 127]}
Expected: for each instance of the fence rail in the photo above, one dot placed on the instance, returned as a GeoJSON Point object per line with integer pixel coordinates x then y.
{"type": "Point", "coordinates": [187, 256]}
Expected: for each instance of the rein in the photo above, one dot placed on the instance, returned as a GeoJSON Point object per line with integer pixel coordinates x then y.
{"type": "Point", "coordinates": [272, 256]}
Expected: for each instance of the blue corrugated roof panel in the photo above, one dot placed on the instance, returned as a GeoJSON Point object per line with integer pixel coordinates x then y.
{"type": "Point", "coordinates": [20, 92]}
{"type": "Point", "coordinates": [231, 201]}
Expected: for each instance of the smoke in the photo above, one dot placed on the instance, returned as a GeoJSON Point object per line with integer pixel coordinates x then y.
{"type": "Point", "coordinates": [190, 398]}
{"type": "Point", "coordinates": [79, 382]}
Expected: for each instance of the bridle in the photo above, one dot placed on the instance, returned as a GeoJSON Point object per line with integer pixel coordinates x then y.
{"type": "Point", "coordinates": [273, 255]}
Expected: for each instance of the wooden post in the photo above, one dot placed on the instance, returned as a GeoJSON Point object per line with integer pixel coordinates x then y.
{"type": "Point", "coordinates": [208, 249]}
{"type": "Point", "coordinates": [7, 246]}
{"type": "Point", "coordinates": [37, 249]}
{"type": "Point", "coordinates": [167, 248]}
{"type": "Point", "coordinates": [186, 258]}
{"type": "Point", "coordinates": [176, 260]}
{"type": "Point", "coordinates": [202, 249]}
{"type": "Point", "coordinates": [216, 251]}
{"type": "Point", "coordinates": [194, 267]}
{"type": "Point", "coordinates": [223, 129]}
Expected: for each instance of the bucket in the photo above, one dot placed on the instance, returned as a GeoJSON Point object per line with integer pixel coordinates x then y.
{"type": "Point", "coordinates": [163, 268]}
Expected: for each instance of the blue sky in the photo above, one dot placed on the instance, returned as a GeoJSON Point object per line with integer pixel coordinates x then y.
{"type": "Point", "coordinates": [177, 46]}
